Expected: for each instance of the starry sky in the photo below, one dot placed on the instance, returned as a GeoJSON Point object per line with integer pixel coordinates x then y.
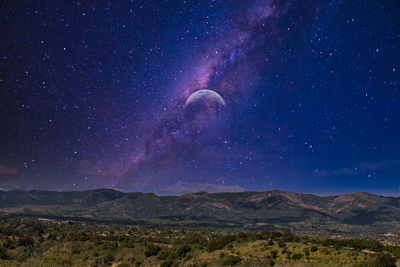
{"type": "Point", "coordinates": [92, 95]}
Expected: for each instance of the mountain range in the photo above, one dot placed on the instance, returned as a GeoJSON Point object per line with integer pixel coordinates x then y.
{"type": "Point", "coordinates": [244, 209]}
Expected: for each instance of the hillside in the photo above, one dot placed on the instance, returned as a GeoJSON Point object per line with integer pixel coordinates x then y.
{"type": "Point", "coordinates": [38, 242]}
{"type": "Point", "coordinates": [343, 213]}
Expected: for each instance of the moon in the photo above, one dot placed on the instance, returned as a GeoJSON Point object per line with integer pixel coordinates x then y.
{"type": "Point", "coordinates": [205, 96]}
{"type": "Point", "coordinates": [203, 107]}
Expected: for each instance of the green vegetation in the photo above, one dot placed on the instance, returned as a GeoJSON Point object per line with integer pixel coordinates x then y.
{"type": "Point", "coordinates": [346, 216]}
{"type": "Point", "coordinates": [39, 242]}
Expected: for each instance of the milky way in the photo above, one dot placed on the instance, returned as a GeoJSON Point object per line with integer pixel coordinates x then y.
{"type": "Point", "coordinates": [228, 65]}
{"type": "Point", "coordinates": [92, 95]}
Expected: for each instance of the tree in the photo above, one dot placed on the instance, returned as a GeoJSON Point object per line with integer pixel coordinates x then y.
{"type": "Point", "coordinates": [384, 260]}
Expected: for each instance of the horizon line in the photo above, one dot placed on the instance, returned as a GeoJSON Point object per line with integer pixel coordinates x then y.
{"type": "Point", "coordinates": [166, 193]}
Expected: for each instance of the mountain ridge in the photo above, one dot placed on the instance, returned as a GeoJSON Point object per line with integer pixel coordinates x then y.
{"type": "Point", "coordinates": [237, 209]}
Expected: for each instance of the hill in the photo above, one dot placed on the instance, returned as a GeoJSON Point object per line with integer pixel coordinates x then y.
{"type": "Point", "coordinates": [355, 213]}
{"type": "Point", "coordinates": [38, 242]}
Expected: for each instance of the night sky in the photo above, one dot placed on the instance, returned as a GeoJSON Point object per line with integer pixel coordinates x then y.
{"type": "Point", "coordinates": [92, 95]}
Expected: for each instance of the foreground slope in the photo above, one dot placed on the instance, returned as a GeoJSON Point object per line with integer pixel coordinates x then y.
{"type": "Point", "coordinates": [38, 242]}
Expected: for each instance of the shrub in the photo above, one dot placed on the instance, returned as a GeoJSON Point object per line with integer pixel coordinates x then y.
{"type": "Point", "coordinates": [183, 250]}
{"type": "Point", "coordinates": [384, 260]}
{"type": "Point", "coordinates": [274, 254]}
{"type": "Point", "coordinates": [151, 250]}
{"type": "Point", "coordinates": [297, 256]}
{"type": "Point", "coordinates": [231, 260]}
{"type": "Point", "coordinates": [65, 260]}
{"type": "Point", "coordinates": [75, 250]}
{"type": "Point", "coordinates": [306, 252]}
{"type": "Point", "coordinates": [3, 253]}
{"type": "Point", "coordinates": [195, 238]}
{"type": "Point", "coordinates": [219, 242]}
{"type": "Point", "coordinates": [281, 243]}
{"type": "Point", "coordinates": [163, 254]}
{"type": "Point", "coordinates": [167, 263]}
{"type": "Point", "coordinates": [26, 241]}
{"type": "Point", "coordinates": [108, 258]}
{"type": "Point", "coordinates": [288, 236]}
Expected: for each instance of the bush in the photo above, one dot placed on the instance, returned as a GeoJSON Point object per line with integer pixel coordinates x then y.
{"type": "Point", "coordinates": [231, 260]}
{"type": "Point", "coordinates": [219, 242]}
{"type": "Point", "coordinates": [281, 243]}
{"type": "Point", "coordinates": [166, 263]}
{"type": "Point", "coordinates": [395, 251]}
{"type": "Point", "coordinates": [163, 254]}
{"type": "Point", "coordinates": [358, 244]}
{"type": "Point", "coordinates": [274, 254]}
{"type": "Point", "coordinates": [195, 238]}
{"type": "Point", "coordinates": [183, 250]}
{"type": "Point", "coordinates": [306, 252]}
{"type": "Point", "coordinates": [65, 260]}
{"type": "Point", "coordinates": [384, 260]}
{"type": "Point", "coordinates": [26, 242]}
{"type": "Point", "coordinates": [242, 236]}
{"type": "Point", "coordinates": [288, 236]}
{"type": "Point", "coordinates": [3, 253]}
{"type": "Point", "coordinates": [75, 250]}
{"type": "Point", "coordinates": [151, 250]}
{"type": "Point", "coordinates": [313, 248]}
{"type": "Point", "coordinates": [108, 258]}
{"type": "Point", "coordinates": [297, 257]}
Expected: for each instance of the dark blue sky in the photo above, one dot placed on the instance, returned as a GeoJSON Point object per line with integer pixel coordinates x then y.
{"type": "Point", "coordinates": [92, 94]}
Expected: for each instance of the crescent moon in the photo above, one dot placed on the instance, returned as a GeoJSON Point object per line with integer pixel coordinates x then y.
{"type": "Point", "coordinates": [205, 94]}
